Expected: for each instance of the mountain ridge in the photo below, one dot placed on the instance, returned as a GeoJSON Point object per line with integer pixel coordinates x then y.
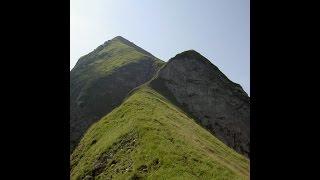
{"type": "Point", "coordinates": [101, 79]}
{"type": "Point", "coordinates": [198, 87]}
{"type": "Point", "coordinates": [129, 43]}
{"type": "Point", "coordinates": [135, 116]}
{"type": "Point", "coordinates": [101, 47]}
{"type": "Point", "coordinates": [147, 137]}
{"type": "Point", "coordinates": [195, 54]}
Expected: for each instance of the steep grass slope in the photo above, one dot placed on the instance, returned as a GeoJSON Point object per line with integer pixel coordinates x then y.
{"type": "Point", "coordinates": [147, 137]}
{"type": "Point", "coordinates": [101, 80]}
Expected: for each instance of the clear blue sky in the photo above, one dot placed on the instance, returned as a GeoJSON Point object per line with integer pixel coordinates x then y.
{"type": "Point", "coordinates": [217, 29]}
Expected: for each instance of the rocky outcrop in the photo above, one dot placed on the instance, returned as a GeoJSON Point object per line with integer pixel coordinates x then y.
{"type": "Point", "coordinates": [202, 90]}
{"type": "Point", "coordinates": [101, 80]}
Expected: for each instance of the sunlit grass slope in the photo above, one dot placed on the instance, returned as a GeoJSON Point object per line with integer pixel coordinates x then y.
{"type": "Point", "coordinates": [109, 57]}
{"type": "Point", "coordinates": [101, 80]}
{"type": "Point", "coordinates": [147, 137]}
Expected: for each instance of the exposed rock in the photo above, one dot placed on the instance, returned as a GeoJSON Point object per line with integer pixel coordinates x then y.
{"type": "Point", "coordinates": [143, 168]}
{"type": "Point", "coordinates": [201, 89]}
{"type": "Point", "coordinates": [88, 177]}
{"type": "Point", "coordinates": [137, 146]}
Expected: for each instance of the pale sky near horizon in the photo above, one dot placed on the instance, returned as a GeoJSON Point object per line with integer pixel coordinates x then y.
{"type": "Point", "coordinates": [217, 29]}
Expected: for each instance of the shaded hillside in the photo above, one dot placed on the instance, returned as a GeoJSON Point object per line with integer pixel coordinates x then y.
{"type": "Point", "coordinates": [199, 88]}
{"type": "Point", "coordinates": [149, 137]}
{"type": "Point", "coordinates": [101, 80]}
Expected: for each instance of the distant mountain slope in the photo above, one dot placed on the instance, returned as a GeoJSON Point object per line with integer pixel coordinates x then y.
{"type": "Point", "coordinates": [102, 79]}
{"type": "Point", "coordinates": [149, 137]}
{"type": "Point", "coordinates": [198, 87]}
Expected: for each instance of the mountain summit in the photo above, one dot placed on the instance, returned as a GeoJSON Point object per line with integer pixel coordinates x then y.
{"type": "Point", "coordinates": [101, 79]}
{"type": "Point", "coordinates": [131, 44]}
{"type": "Point", "coordinates": [135, 117]}
{"type": "Point", "coordinates": [203, 91]}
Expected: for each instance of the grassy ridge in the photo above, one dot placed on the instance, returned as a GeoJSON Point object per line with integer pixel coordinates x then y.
{"type": "Point", "coordinates": [101, 79]}
{"type": "Point", "coordinates": [148, 137]}
{"type": "Point", "coordinates": [104, 60]}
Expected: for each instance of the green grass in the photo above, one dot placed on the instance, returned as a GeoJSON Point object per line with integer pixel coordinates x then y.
{"type": "Point", "coordinates": [104, 61]}
{"type": "Point", "coordinates": [147, 137]}
{"type": "Point", "coordinates": [117, 60]}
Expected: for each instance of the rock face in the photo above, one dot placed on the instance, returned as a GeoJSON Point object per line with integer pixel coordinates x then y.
{"type": "Point", "coordinates": [101, 80]}
{"type": "Point", "coordinates": [201, 89]}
